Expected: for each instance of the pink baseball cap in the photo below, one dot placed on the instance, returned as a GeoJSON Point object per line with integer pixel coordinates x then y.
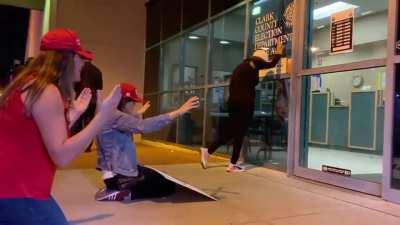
{"type": "Point", "coordinates": [64, 39]}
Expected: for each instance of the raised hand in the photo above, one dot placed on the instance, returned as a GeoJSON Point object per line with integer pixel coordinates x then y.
{"type": "Point", "coordinates": [79, 106]}
{"type": "Point", "coordinates": [144, 108]}
{"type": "Point", "coordinates": [109, 104]}
{"type": "Point", "coordinates": [279, 48]}
{"type": "Point", "coordinates": [81, 103]}
{"type": "Point", "coordinates": [191, 103]}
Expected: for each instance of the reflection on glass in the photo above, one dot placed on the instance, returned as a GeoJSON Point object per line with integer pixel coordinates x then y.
{"type": "Point", "coordinates": [217, 114]}
{"type": "Point", "coordinates": [170, 65]}
{"type": "Point", "coordinates": [190, 125]}
{"type": "Point", "coordinates": [195, 58]}
{"type": "Point", "coordinates": [267, 139]}
{"type": "Point", "coordinates": [218, 6]}
{"type": "Point", "coordinates": [342, 122]}
{"type": "Point", "coordinates": [368, 37]}
{"type": "Point", "coordinates": [227, 45]}
{"type": "Point", "coordinates": [168, 102]}
{"type": "Point", "coordinates": [154, 110]}
{"type": "Point", "coordinates": [152, 71]}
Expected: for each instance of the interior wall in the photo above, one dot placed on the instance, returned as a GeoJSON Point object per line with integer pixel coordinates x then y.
{"type": "Point", "coordinates": [369, 43]}
{"type": "Point", "coordinates": [114, 31]}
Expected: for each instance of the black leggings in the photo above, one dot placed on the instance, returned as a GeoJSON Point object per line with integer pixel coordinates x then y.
{"type": "Point", "coordinates": [236, 128]}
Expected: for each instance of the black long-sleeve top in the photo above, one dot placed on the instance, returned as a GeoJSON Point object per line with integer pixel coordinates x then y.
{"type": "Point", "coordinates": [244, 80]}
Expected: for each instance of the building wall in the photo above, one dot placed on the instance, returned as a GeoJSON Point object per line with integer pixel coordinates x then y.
{"type": "Point", "coordinates": [114, 31]}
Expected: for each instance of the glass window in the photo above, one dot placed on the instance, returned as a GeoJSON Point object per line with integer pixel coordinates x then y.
{"type": "Point", "coordinates": [190, 125]}
{"type": "Point", "coordinates": [154, 110]}
{"type": "Point", "coordinates": [152, 70]}
{"type": "Point", "coordinates": [398, 32]}
{"type": "Point", "coordinates": [218, 6]}
{"type": "Point", "coordinates": [271, 22]}
{"type": "Point", "coordinates": [171, 54]}
{"type": "Point", "coordinates": [195, 58]}
{"type": "Point", "coordinates": [217, 114]}
{"type": "Point", "coordinates": [194, 12]}
{"type": "Point", "coordinates": [171, 18]}
{"type": "Point", "coordinates": [153, 24]}
{"type": "Point", "coordinates": [266, 142]}
{"type": "Point", "coordinates": [227, 45]}
{"type": "Point", "coordinates": [396, 135]}
{"type": "Point", "coordinates": [368, 38]}
{"type": "Point", "coordinates": [167, 103]}
{"type": "Point", "coordinates": [14, 22]}
{"type": "Point", "coordinates": [342, 122]}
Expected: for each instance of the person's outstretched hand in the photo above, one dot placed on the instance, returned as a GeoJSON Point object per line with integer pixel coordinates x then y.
{"type": "Point", "coordinates": [190, 104]}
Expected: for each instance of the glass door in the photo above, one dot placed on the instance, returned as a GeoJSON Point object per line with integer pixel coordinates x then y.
{"type": "Point", "coordinates": [341, 87]}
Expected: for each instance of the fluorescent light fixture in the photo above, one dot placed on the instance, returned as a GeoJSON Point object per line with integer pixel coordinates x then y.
{"type": "Point", "coordinates": [328, 10]}
{"type": "Point", "coordinates": [367, 12]}
{"type": "Point", "coordinates": [320, 26]}
{"type": "Point", "coordinates": [259, 2]}
{"type": "Point", "coordinates": [314, 49]}
{"type": "Point", "coordinates": [256, 11]}
{"type": "Point", "coordinates": [193, 37]}
{"type": "Point", "coordinates": [224, 42]}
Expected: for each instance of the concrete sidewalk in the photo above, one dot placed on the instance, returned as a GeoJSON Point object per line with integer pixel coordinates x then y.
{"type": "Point", "coordinates": [256, 197]}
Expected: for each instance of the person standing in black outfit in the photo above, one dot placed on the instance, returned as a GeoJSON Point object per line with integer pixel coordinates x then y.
{"type": "Point", "coordinates": [241, 103]}
{"type": "Point", "coordinates": [91, 77]}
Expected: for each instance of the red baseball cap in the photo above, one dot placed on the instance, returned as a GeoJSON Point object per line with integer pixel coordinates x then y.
{"type": "Point", "coordinates": [131, 92]}
{"type": "Point", "coordinates": [64, 39]}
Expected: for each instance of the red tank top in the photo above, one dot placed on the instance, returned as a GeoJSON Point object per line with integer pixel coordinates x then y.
{"type": "Point", "coordinates": [26, 169]}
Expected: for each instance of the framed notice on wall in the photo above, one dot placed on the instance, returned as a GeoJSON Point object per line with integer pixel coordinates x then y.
{"type": "Point", "coordinates": [342, 24]}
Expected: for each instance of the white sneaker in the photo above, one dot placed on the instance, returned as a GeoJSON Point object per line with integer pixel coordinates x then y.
{"type": "Point", "coordinates": [233, 168]}
{"type": "Point", "coordinates": [204, 157]}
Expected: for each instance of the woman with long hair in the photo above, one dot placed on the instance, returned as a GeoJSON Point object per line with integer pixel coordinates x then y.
{"type": "Point", "coordinates": [36, 111]}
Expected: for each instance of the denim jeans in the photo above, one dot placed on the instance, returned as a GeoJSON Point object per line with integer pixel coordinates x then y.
{"type": "Point", "coordinates": [116, 149]}
{"type": "Point", "coordinates": [26, 211]}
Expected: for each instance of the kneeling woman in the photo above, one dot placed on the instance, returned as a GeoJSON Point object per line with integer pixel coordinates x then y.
{"type": "Point", "coordinates": [117, 152]}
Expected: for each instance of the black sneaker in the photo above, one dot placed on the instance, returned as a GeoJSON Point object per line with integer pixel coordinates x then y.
{"type": "Point", "coordinates": [105, 194]}
{"type": "Point", "coordinates": [126, 183]}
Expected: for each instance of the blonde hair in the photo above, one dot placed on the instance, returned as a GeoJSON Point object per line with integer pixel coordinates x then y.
{"type": "Point", "coordinates": [261, 53]}
{"type": "Point", "coordinates": [49, 67]}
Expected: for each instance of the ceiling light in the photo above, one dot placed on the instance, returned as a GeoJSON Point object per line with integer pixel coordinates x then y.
{"type": "Point", "coordinates": [314, 49]}
{"type": "Point", "coordinates": [328, 10]}
{"type": "Point", "coordinates": [193, 37]}
{"type": "Point", "coordinates": [367, 12]}
{"type": "Point", "coordinates": [259, 2]}
{"type": "Point", "coordinates": [224, 42]}
{"type": "Point", "coordinates": [256, 11]}
{"type": "Point", "coordinates": [321, 26]}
